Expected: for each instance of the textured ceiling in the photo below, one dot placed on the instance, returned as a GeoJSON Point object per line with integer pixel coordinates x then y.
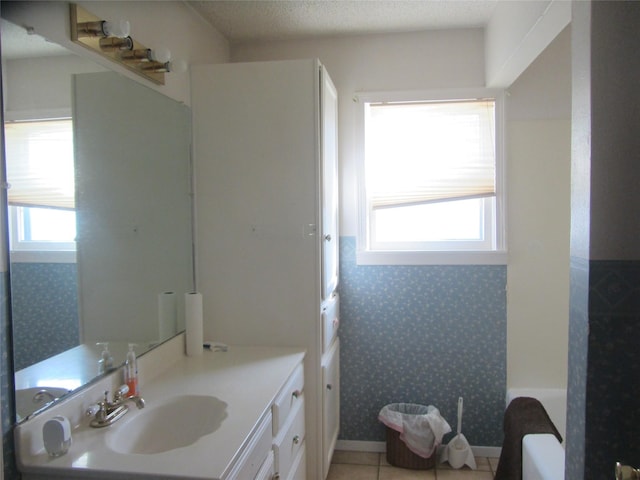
{"type": "Point", "coordinates": [248, 20]}
{"type": "Point", "coordinates": [261, 20]}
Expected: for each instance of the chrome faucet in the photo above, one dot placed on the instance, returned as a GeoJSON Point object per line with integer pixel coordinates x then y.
{"type": "Point", "coordinates": [106, 413]}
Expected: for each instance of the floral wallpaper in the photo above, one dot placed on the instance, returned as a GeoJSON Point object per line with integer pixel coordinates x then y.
{"type": "Point", "coordinates": [6, 381]}
{"type": "Point", "coordinates": [43, 291]}
{"type": "Point", "coordinates": [612, 403]}
{"type": "Point", "coordinates": [422, 334]}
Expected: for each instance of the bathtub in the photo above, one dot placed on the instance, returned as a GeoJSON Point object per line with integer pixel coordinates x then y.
{"type": "Point", "coordinates": [542, 454]}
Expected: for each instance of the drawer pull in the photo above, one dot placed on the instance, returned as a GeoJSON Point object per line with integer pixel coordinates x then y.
{"type": "Point", "coordinates": [296, 393]}
{"type": "Point", "coordinates": [296, 439]}
{"type": "Point", "coordinates": [276, 476]}
{"type": "Point", "coordinates": [329, 386]}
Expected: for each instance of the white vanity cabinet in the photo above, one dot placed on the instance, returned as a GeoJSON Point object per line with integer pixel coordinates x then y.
{"type": "Point", "coordinates": [261, 396]}
{"type": "Point", "coordinates": [277, 448]}
{"type": "Point", "coordinates": [289, 446]}
{"type": "Point", "coordinates": [256, 453]}
{"type": "Point", "coordinates": [267, 471]}
{"type": "Point", "coordinates": [289, 426]}
{"type": "Point", "coordinates": [331, 403]}
{"type": "Point", "coordinates": [266, 199]}
{"type": "Point", "coordinates": [287, 399]}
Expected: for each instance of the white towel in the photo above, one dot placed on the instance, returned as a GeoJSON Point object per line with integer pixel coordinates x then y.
{"type": "Point", "coordinates": [423, 433]}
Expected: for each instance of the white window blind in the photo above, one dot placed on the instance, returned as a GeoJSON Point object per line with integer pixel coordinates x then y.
{"type": "Point", "coordinates": [426, 152]}
{"type": "Point", "coordinates": [40, 164]}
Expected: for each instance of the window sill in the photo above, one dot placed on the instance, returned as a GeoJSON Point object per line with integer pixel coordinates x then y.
{"type": "Point", "coordinates": [431, 258]}
{"type": "Point", "coordinates": [39, 256]}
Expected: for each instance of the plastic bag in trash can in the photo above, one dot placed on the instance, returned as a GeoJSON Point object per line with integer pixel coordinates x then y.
{"type": "Point", "coordinates": [421, 428]}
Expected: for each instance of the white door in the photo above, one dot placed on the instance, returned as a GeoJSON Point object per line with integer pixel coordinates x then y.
{"type": "Point", "coordinates": [331, 404]}
{"type": "Point", "coordinates": [329, 155]}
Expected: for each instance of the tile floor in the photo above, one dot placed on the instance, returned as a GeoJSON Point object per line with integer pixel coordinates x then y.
{"type": "Point", "coordinates": [374, 466]}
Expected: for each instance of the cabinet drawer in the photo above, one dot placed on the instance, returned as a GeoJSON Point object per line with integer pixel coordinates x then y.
{"type": "Point", "coordinates": [288, 398]}
{"type": "Point", "coordinates": [268, 468]}
{"type": "Point", "coordinates": [299, 467]}
{"type": "Point", "coordinates": [256, 452]}
{"type": "Point", "coordinates": [290, 440]}
{"type": "Point", "coordinates": [330, 321]}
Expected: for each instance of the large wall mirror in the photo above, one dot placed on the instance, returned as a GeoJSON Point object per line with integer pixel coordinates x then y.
{"type": "Point", "coordinates": [100, 216]}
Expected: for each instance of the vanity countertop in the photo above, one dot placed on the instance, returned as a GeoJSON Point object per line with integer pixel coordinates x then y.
{"type": "Point", "coordinates": [247, 379]}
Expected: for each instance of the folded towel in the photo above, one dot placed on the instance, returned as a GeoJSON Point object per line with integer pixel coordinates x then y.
{"type": "Point", "coordinates": [524, 415]}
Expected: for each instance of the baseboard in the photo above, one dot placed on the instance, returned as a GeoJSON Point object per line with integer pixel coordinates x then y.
{"type": "Point", "coordinates": [381, 447]}
{"type": "Point", "coordinates": [491, 452]}
{"type": "Point", "coordinates": [360, 446]}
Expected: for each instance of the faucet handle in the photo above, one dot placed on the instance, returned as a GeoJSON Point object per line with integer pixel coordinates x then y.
{"type": "Point", "coordinates": [120, 393]}
{"type": "Point", "coordinates": [92, 410]}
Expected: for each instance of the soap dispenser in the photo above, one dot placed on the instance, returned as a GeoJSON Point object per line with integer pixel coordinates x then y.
{"type": "Point", "coordinates": [106, 360]}
{"type": "Point", "coordinates": [131, 372]}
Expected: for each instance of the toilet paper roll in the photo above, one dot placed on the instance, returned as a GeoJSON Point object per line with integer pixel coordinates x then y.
{"type": "Point", "coordinates": [193, 323]}
{"type": "Point", "coordinates": [167, 315]}
{"type": "Point", "coordinates": [56, 436]}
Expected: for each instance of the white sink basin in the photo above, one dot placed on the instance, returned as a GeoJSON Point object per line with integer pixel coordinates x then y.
{"type": "Point", "coordinates": [175, 423]}
{"type": "Point", "coordinates": [30, 400]}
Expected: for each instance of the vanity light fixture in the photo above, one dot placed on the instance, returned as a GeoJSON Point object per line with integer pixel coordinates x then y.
{"type": "Point", "coordinates": [110, 44]}
{"type": "Point", "coordinates": [160, 55]}
{"type": "Point", "coordinates": [155, 67]}
{"type": "Point", "coordinates": [111, 40]}
{"type": "Point", "coordinates": [112, 35]}
{"type": "Point", "coordinates": [178, 66]}
{"type": "Point", "coordinates": [158, 60]}
{"type": "Point", "coordinates": [104, 28]}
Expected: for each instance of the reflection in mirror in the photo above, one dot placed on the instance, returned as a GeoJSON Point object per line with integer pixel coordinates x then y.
{"type": "Point", "coordinates": [101, 252]}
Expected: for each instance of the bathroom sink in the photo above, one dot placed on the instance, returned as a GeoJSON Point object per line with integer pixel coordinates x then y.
{"type": "Point", "coordinates": [32, 399]}
{"type": "Point", "coordinates": [175, 423]}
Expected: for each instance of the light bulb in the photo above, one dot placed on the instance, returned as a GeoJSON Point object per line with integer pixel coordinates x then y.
{"type": "Point", "coordinates": [178, 66]}
{"type": "Point", "coordinates": [118, 28]}
{"type": "Point", "coordinates": [160, 55]}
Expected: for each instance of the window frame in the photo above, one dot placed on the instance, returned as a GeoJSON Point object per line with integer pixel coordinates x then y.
{"type": "Point", "coordinates": [17, 244]}
{"type": "Point", "coordinates": [368, 256]}
{"type": "Point", "coordinates": [37, 252]}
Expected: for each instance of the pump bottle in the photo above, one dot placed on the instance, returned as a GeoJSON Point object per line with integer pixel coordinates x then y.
{"type": "Point", "coordinates": [106, 360]}
{"type": "Point", "coordinates": [131, 372]}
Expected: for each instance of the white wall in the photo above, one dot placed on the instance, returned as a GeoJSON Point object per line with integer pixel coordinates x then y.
{"type": "Point", "coordinates": [414, 61]}
{"type": "Point", "coordinates": [538, 151]}
{"type": "Point", "coordinates": [615, 143]}
{"type": "Point", "coordinates": [517, 33]}
{"type": "Point", "coordinates": [41, 87]}
{"type": "Point", "coordinates": [538, 171]}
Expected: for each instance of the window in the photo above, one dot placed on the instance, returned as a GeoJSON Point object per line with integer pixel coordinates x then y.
{"type": "Point", "coordinates": [40, 172]}
{"type": "Point", "coordinates": [431, 179]}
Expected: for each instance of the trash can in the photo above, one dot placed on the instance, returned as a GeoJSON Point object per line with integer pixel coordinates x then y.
{"type": "Point", "coordinates": [413, 434]}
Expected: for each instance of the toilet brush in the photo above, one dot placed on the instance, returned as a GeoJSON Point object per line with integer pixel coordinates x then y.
{"type": "Point", "coordinates": [458, 451]}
